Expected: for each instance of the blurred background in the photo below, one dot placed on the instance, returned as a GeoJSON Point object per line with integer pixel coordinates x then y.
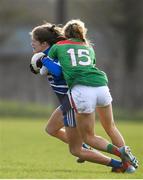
{"type": "Point", "coordinates": [114, 26]}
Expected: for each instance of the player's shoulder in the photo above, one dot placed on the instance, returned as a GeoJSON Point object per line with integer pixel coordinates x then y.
{"type": "Point", "coordinates": [70, 42]}
{"type": "Point", "coordinates": [62, 42]}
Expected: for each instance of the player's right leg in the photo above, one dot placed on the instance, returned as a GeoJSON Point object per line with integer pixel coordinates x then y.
{"type": "Point", "coordinates": [55, 125]}
{"type": "Point", "coordinates": [85, 124]}
{"type": "Point", "coordinates": [76, 149]}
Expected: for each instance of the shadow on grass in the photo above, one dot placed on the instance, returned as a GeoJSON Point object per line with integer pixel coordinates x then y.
{"type": "Point", "coordinates": [44, 170]}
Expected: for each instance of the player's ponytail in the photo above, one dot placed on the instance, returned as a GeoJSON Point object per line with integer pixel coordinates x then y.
{"type": "Point", "coordinates": [75, 29]}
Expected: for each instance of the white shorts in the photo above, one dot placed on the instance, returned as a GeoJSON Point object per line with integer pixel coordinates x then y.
{"type": "Point", "coordinates": [85, 99]}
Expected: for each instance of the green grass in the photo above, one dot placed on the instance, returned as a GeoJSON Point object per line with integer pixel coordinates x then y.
{"type": "Point", "coordinates": [18, 109]}
{"type": "Point", "coordinates": [21, 109]}
{"type": "Point", "coordinates": [26, 151]}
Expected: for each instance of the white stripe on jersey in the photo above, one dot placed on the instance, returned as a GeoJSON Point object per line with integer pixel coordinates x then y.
{"type": "Point", "coordinates": [60, 86]}
{"type": "Point", "coordinates": [59, 92]}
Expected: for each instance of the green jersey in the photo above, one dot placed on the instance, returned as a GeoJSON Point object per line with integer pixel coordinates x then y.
{"type": "Point", "coordinates": [78, 61]}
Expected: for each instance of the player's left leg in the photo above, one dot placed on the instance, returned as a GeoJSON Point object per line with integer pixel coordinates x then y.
{"type": "Point", "coordinates": [107, 121]}
{"type": "Point", "coordinates": [127, 156]}
{"type": "Point", "coordinates": [106, 118]}
{"type": "Point", "coordinates": [76, 149]}
{"type": "Point", "coordinates": [85, 124]}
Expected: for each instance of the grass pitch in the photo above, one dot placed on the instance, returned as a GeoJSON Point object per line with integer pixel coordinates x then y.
{"type": "Point", "coordinates": [26, 151]}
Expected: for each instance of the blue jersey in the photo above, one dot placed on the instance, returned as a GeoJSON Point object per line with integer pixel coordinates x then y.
{"type": "Point", "coordinates": [55, 76]}
{"type": "Point", "coordinates": [59, 86]}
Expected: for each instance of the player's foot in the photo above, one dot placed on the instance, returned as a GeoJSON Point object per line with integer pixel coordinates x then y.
{"type": "Point", "coordinates": [78, 160]}
{"type": "Point", "coordinates": [126, 168]}
{"type": "Point", "coordinates": [127, 156]}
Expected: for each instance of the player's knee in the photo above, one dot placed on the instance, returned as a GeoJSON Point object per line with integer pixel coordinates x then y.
{"type": "Point", "coordinates": [49, 131]}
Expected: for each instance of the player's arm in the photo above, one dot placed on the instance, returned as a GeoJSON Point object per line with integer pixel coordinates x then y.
{"type": "Point", "coordinates": [46, 65]}
{"type": "Point", "coordinates": [48, 62]}
{"type": "Point", "coordinates": [53, 67]}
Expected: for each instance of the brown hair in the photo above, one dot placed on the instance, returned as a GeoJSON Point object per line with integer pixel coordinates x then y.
{"type": "Point", "coordinates": [75, 29]}
{"type": "Point", "coordinates": [47, 32]}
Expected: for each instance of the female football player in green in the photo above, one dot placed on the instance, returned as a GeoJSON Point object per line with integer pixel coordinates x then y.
{"type": "Point", "coordinates": [88, 90]}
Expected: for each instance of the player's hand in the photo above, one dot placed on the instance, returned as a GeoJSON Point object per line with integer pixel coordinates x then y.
{"type": "Point", "coordinates": [32, 70]}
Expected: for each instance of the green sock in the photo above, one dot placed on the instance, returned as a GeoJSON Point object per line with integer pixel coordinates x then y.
{"type": "Point", "coordinates": [113, 150]}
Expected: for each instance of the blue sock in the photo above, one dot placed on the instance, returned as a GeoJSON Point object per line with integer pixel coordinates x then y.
{"type": "Point", "coordinates": [115, 163]}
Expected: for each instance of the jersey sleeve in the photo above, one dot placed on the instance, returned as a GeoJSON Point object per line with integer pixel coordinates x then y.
{"type": "Point", "coordinates": [53, 67]}
{"type": "Point", "coordinates": [53, 52]}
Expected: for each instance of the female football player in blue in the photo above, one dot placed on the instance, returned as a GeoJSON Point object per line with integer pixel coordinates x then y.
{"type": "Point", "coordinates": [43, 37]}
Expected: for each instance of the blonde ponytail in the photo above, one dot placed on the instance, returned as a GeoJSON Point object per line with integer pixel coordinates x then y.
{"type": "Point", "coordinates": [75, 29]}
